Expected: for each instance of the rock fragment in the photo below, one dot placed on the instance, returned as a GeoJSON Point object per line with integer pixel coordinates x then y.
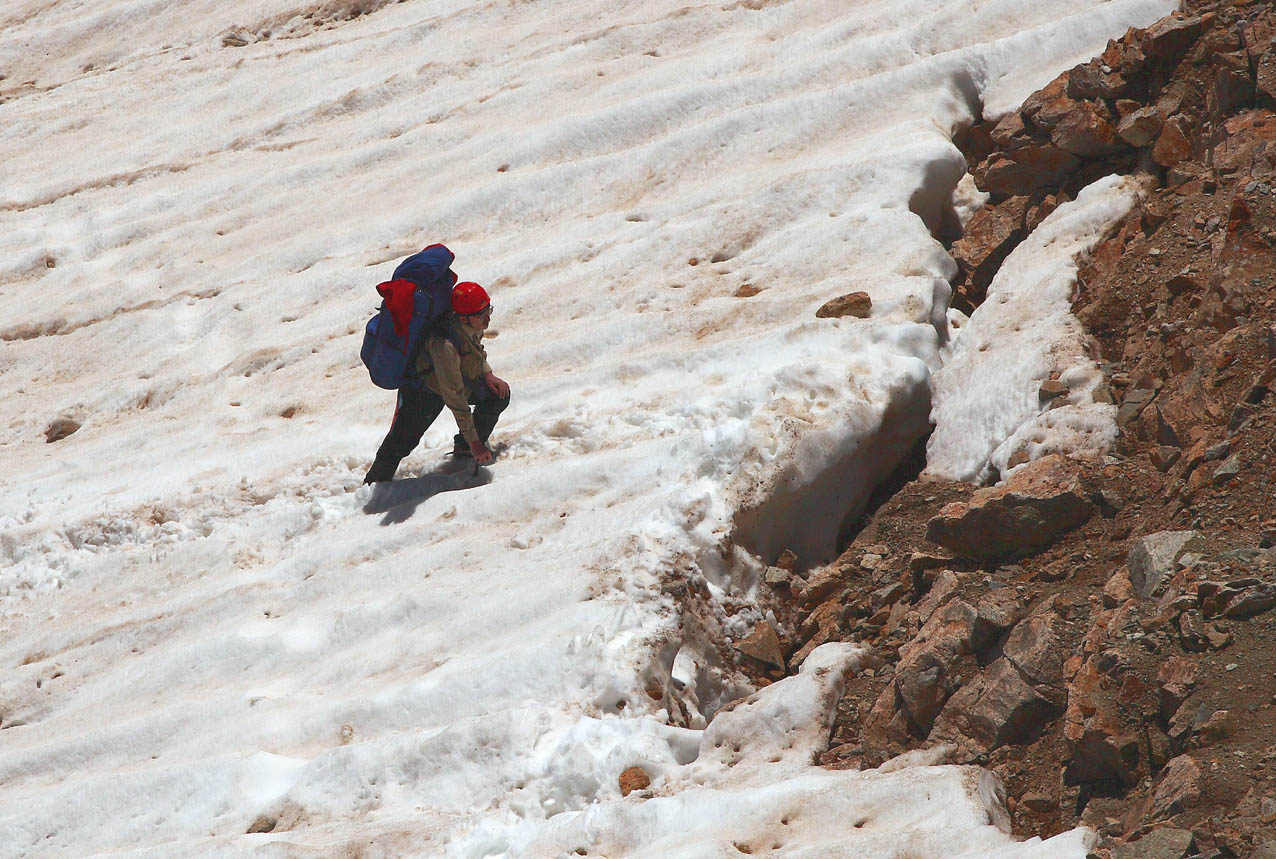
{"type": "Point", "coordinates": [763, 644]}
{"type": "Point", "coordinates": [1176, 679]}
{"type": "Point", "coordinates": [59, 429]}
{"type": "Point", "coordinates": [1041, 501]}
{"type": "Point", "coordinates": [634, 778]}
{"type": "Point", "coordinates": [1140, 127]}
{"type": "Point", "coordinates": [857, 304]}
{"type": "Point", "coordinates": [1164, 843]}
{"type": "Point", "coordinates": [1178, 790]}
{"type": "Point", "coordinates": [1151, 559]}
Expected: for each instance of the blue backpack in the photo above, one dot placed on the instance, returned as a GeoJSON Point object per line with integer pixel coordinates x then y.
{"type": "Point", "coordinates": [418, 295]}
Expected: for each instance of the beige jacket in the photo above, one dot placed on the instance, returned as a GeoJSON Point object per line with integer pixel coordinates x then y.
{"type": "Point", "coordinates": [450, 371]}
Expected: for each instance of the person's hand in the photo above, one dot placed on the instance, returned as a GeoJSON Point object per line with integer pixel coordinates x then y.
{"type": "Point", "coordinates": [498, 386]}
{"type": "Point", "coordinates": [481, 454]}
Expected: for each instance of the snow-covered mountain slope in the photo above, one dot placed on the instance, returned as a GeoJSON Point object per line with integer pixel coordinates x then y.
{"type": "Point", "coordinates": [208, 628]}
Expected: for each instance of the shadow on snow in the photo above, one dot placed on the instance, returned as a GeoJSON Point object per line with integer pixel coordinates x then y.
{"type": "Point", "coordinates": [399, 499]}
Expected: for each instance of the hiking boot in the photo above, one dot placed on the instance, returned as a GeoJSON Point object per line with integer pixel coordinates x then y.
{"type": "Point", "coordinates": [381, 470]}
{"type": "Point", "coordinates": [461, 451]}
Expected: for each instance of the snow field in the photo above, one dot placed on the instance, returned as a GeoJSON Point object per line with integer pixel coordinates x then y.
{"type": "Point", "coordinates": [208, 623]}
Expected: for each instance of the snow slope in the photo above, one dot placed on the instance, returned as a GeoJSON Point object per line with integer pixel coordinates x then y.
{"type": "Point", "coordinates": [208, 627]}
{"type": "Point", "coordinates": [1024, 334]}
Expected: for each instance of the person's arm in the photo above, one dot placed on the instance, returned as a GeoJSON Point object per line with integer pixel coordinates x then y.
{"type": "Point", "coordinates": [447, 370]}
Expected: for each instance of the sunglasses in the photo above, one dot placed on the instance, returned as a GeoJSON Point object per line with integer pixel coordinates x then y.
{"type": "Point", "coordinates": [486, 311]}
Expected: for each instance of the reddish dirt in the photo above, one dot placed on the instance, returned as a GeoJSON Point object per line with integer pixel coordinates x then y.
{"type": "Point", "coordinates": [1181, 304]}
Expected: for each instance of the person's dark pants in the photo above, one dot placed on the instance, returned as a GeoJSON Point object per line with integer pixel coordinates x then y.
{"type": "Point", "coordinates": [416, 411]}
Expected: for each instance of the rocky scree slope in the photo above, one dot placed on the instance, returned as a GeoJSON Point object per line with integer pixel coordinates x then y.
{"type": "Point", "coordinates": [1101, 634]}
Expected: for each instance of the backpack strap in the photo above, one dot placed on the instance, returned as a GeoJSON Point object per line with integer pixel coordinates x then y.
{"type": "Point", "coordinates": [440, 327]}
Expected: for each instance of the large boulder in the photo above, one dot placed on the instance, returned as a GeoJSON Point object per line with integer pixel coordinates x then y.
{"type": "Point", "coordinates": [1100, 749]}
{"type": "Point", "coordinates": [1043, 500]}
{"type": "Point", "coordinates": [1017, 696]}
{"type": "Point", "coordinates": [926, 675]}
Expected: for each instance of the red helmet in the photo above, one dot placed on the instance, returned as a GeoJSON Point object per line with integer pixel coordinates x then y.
{"type": "Point", "coordinates": [468, 298]}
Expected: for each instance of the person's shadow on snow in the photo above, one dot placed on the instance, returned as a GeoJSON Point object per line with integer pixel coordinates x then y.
{"type": "Point", "coordinates": [399, 499]}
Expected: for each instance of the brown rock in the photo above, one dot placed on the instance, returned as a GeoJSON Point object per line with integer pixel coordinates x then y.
{"type": "Point", "coordinates": [992, 233]}
{"type": "Point", "coordinates": [1017, 696]}
{"type": "Point", "coordinates": [1100, 755]}
{"type": "Point", "coordinates": [1038, 803]}
{"type": "Point", "coordinates": [1232, 89]}
{"type": "Point", "coordinates": [994, 614]}
{"type": "Point", "coordinates": [999, 706]}
{"type": "Point", "coordinates": [59, 429]}
{"type": "Point", "coordinates": [1048, 105]}
{"type": "Point", "coordinates": [823, 583]}
{"type": "Point", "coordinates": [823, 626]}
{"type": "Point", "coordinates": [1265, 79]}
{"type": "Point", "coordinates": [1041, 210]}
{"type": "Point", "coordinates": [1250, 601]}
{"type": "Point", "coordinates": [1183, 282]}
{"type": "Point", "coordinates": [1220, 725]}
{"type": "Point", "coordinates": [763, 645]}
{"type": "Point", "coordinates": [1100, 748]}
{"type": "Point", "coordinates": [1140, 127]}
{"type": "Point", "coordinates": [1163, 457]}
{"type": "Point", "coordinates": [1258, 35]}
{"type": "Point", "coordinates": [1118, 589]}
{"type": "Point", "coordinates": [823, 617]}
{"type": "Point", "coordinates": [634, 778]}
{"type": "Point", "coordinates": [945, 586]}
{"type": "Point", "coordinates": [1176, 679]}
{"type": "Point", "coordinates": [1184, 722]}
{"type": "Point", "coordinates": [1179, 788]}
{"type": "Point", "coordinates": [1008, 130]}
{"type": "Point", "coordinates": [857, 304]}
{"type": "Point", "coordinates": [920, 562]}
{"type": "Point", "coordinates": [1170, 37]}
{"type": "Point", "coordinates": [1035, 648]}
{"type": "Point", "coordinates": [1043, 500]}
{"type": "Point", "coordinates": [926, 676]}
{"type": "Point", "coordinates": [888, 595]}
{"type": "Point", "coordinates": [1192, 631]}
{"type": "Point", "coordinates": [1172, 144]}
{"type": "Point", "coordinates": [1051, 389]}
{"type": "Point", "coordinates": [1024, 170]}
{"type": "Point", "coordinates": [1089, 80]}
{"type": "Point", "coordinates": [775, 576]}
{"type": "Point", "coordinates": [1085, 131]}
{"type": "Point", "coordinates": [1217, 638]}
{"type": "Point", "coordinates": [1164, 843]}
